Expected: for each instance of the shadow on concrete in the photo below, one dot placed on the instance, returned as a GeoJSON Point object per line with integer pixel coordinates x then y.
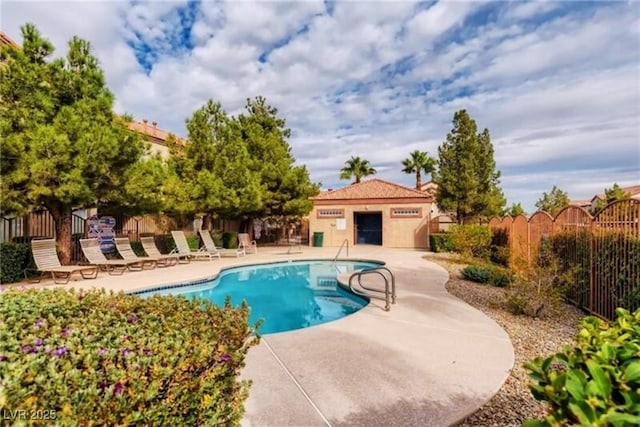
{"type": "Point", "coordinates": [409, 413]}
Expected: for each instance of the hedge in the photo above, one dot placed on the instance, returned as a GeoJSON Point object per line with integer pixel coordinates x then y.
{"type": "Point", "coordinates": [471, 240]}
{"type": "Point", "coordinates": [440, 242]}
{"type": "Point", "coordinates": [14, 259]}
{"type": "Point", "coordinates": [92, 358]}
{"type": "Point", "coordinates": [494, 275]}
{"type": "Point", "coordinates": [230, 239]}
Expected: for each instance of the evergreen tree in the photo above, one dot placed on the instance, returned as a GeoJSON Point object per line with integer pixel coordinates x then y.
{"type": "Point", "coordinates": [468, 182]}
{"type": "Point", "coordinates": [62, 146]}
{"type": "Point", "coordinates": [358, 168]}
{"type": "Point", "coordinates": [418, 162]}
{"type": "Point", "coordinates": [286, 187]}
{"type": "Point", "coordinates": [553, 202]}
{"type": "Point", "coordinates": [211, 170]}
{"type": "Point", "coordinates": [612, 194]}
{"type": "Point", "coordinates": [514, 210]}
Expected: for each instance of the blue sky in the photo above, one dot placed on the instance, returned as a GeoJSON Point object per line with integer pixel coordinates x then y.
{"type": "Point", "coordinates": [556, 83]}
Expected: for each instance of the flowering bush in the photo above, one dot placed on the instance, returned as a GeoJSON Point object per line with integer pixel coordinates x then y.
{"type": "Point", "coordinates": [116, 359]}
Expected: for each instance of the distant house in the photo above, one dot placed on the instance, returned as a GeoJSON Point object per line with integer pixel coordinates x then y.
{"type": "Point", "coordinates": [633, 191]}
{"type": "Point", "coordinates": [375, 212]}
{"type": "Point", "coordinates": [441, 220]}
{"type": "Point", "coordinates": [5, 40]}
{"type": "Point", "coordinates": [156, 136]}
{"type": "Point", "coordinates": [581, 203]}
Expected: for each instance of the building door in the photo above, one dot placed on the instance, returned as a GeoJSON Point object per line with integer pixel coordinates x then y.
{"type": "Point", "coordinates": [368, 228]}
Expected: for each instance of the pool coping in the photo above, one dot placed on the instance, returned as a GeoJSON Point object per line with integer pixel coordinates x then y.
{"type": "Point", "coordinates": [232, 267]}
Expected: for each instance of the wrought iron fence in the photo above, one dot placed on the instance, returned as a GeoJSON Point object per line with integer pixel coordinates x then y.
{"type": "Point", "coordinates": [40, 224]}
{"type": "Point", "coordinates": [601, 253]}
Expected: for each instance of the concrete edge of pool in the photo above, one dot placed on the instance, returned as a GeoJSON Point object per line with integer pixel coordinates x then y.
{"type": "Point", "coordinates": [431, 360]}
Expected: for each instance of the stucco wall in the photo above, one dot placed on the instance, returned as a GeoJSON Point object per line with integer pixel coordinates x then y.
{"type": "Point", "coordinates": [397, 232]}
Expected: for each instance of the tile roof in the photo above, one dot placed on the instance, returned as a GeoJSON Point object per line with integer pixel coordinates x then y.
{"type": "Point", "coordinates": [6, 40]}
{"type": "Point", "coordinates": [374, 189]}
{"type": "Point", "coordinates": [158, 136]}
{"type": "Point", "coordinates": [633, 190]}
{"type": "Point", "coordinates": [580, 202]}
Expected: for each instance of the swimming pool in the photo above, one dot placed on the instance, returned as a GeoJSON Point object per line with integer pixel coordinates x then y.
{"type": "Point", "coordinates": [287, 296]}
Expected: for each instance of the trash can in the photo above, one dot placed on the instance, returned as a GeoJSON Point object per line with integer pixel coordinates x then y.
{"type": "Point", "coordinates": [318, 236]}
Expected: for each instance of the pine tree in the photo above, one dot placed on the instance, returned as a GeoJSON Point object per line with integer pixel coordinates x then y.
{"type": "Point", "coordinates": [66, 149]}
{"type": "Point", "coordinates": [468, 182]}
{"type": "Point", "coordinates": [553, 202]}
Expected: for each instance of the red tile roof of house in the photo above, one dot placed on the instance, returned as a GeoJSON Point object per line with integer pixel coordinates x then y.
{"type": "Point", "coordinates": [633, 191]}
{"type": "Point", "coordinates": [157, 135]}
{"type": "Point", "coordinates": [581, 202]}
{"type": "Point", "coordinates": [6, 40]}
{"type": "Point", "coordinates": [374, 189]}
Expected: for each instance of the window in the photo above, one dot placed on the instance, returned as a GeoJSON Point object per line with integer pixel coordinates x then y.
{"type": "Point", "coordinates": [330, 213]}
{"type": "Point", "coordinates": [406, 212]}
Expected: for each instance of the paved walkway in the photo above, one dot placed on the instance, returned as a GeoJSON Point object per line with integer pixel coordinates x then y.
{"type": "Point", "coordinates": [430, 361]}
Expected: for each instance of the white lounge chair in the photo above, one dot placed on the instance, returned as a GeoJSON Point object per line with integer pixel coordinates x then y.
{"type": "Point", "coordinates": [93, 253]}
{"type": "Point", "coordinates": [47, 261]}
{"type": "Point", "coordinates": [149, 246]}
{"type": "Point", "coordinates": [183, 249]}
{"type": "Point", "coordinates": [210, 246]}
{"type": "Point", "coordinates": [123, 245]}
{"type": "Point", "coordinates": [247, 244]}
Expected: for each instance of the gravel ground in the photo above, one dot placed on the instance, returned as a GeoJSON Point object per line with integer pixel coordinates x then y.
{"type": "Point", "coordinates": [513, 404]}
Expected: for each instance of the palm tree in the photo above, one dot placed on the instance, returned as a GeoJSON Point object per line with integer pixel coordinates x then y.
{"type": "Point", "coordinates": [356, 167]}
{"type": "Point", "coordinates": [417, 162]}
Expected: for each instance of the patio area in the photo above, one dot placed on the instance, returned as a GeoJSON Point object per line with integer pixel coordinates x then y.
{"type": "Point", "coordinates": [431, 360]}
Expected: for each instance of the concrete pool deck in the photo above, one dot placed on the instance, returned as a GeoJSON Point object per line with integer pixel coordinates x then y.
{"type": "Point", "coordinates": [430, 361]}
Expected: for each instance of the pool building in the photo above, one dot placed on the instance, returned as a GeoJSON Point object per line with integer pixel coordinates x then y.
{"type": "Point", "coordinates": [374, 212]}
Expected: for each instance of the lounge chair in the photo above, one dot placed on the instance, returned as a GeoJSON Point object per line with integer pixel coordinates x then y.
{"type": "Point", "coordinates": [247, 244]}
{"type": "Point", "coordinates": [183, 249]}
{"type": "Point", "coordinates": [149, 246]}
{"type": "Point", "coordinates": [47, 261]}
{"type": "Point", "coordinates": [123, 245]}
{"type": "Point", "coordinates": [93, 253]}
{"type": "Point", "coordinates": [210, 246]}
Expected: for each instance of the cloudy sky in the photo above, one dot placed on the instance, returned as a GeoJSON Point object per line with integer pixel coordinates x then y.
{"type": "Point", "coordinates": [556, 83]}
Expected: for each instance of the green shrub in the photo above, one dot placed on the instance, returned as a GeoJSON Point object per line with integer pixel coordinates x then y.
{"type": "Point", "coordinates": [105, 359]}
{"type": "Point", "coordinates": [499, 248]}
{"type": "Point", "coordinates": [216, 235]}
{"type": "Point", "coordinates": [137, 248]}
{"type": "Point", "coordinates": [499, 276]}
{"type": "Point", "coordinates": [476, 273]}
{"type": "Point", "coordinates": [596, 382]}
{"type": "Point", "coordinates": [14, 259]}
{"type": "Point", "coordinates": [616, 257]}
{"type": "Point", "coordinates": [440, 242]}
{"type": "Point", "coordinates": [611, 257]}
{"type": "Point", "coordinates": [471, 240]}
{"type": "Point", "coordinates": [194, 241]}
{"type": "Point", "coordinates": [165, 243]}
{"type": "Point", "coordinates": [230, 239]}
{"type": "Point", "coordinates": [537, 290]}
{"type": "Point", "coordinates": [496, 276]}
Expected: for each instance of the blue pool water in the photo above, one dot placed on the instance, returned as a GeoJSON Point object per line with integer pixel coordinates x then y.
{"type": "Point", "coordinates": [286, 296]}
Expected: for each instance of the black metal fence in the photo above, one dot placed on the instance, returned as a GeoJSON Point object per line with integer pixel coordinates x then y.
{"type": "Point", "coordinates": [40, 224]}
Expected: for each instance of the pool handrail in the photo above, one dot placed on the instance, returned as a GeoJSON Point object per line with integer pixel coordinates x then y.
{"type": "Point", "coordinates": [389, 291]}
{"type": "Point", "coordinates": [340, 250]}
